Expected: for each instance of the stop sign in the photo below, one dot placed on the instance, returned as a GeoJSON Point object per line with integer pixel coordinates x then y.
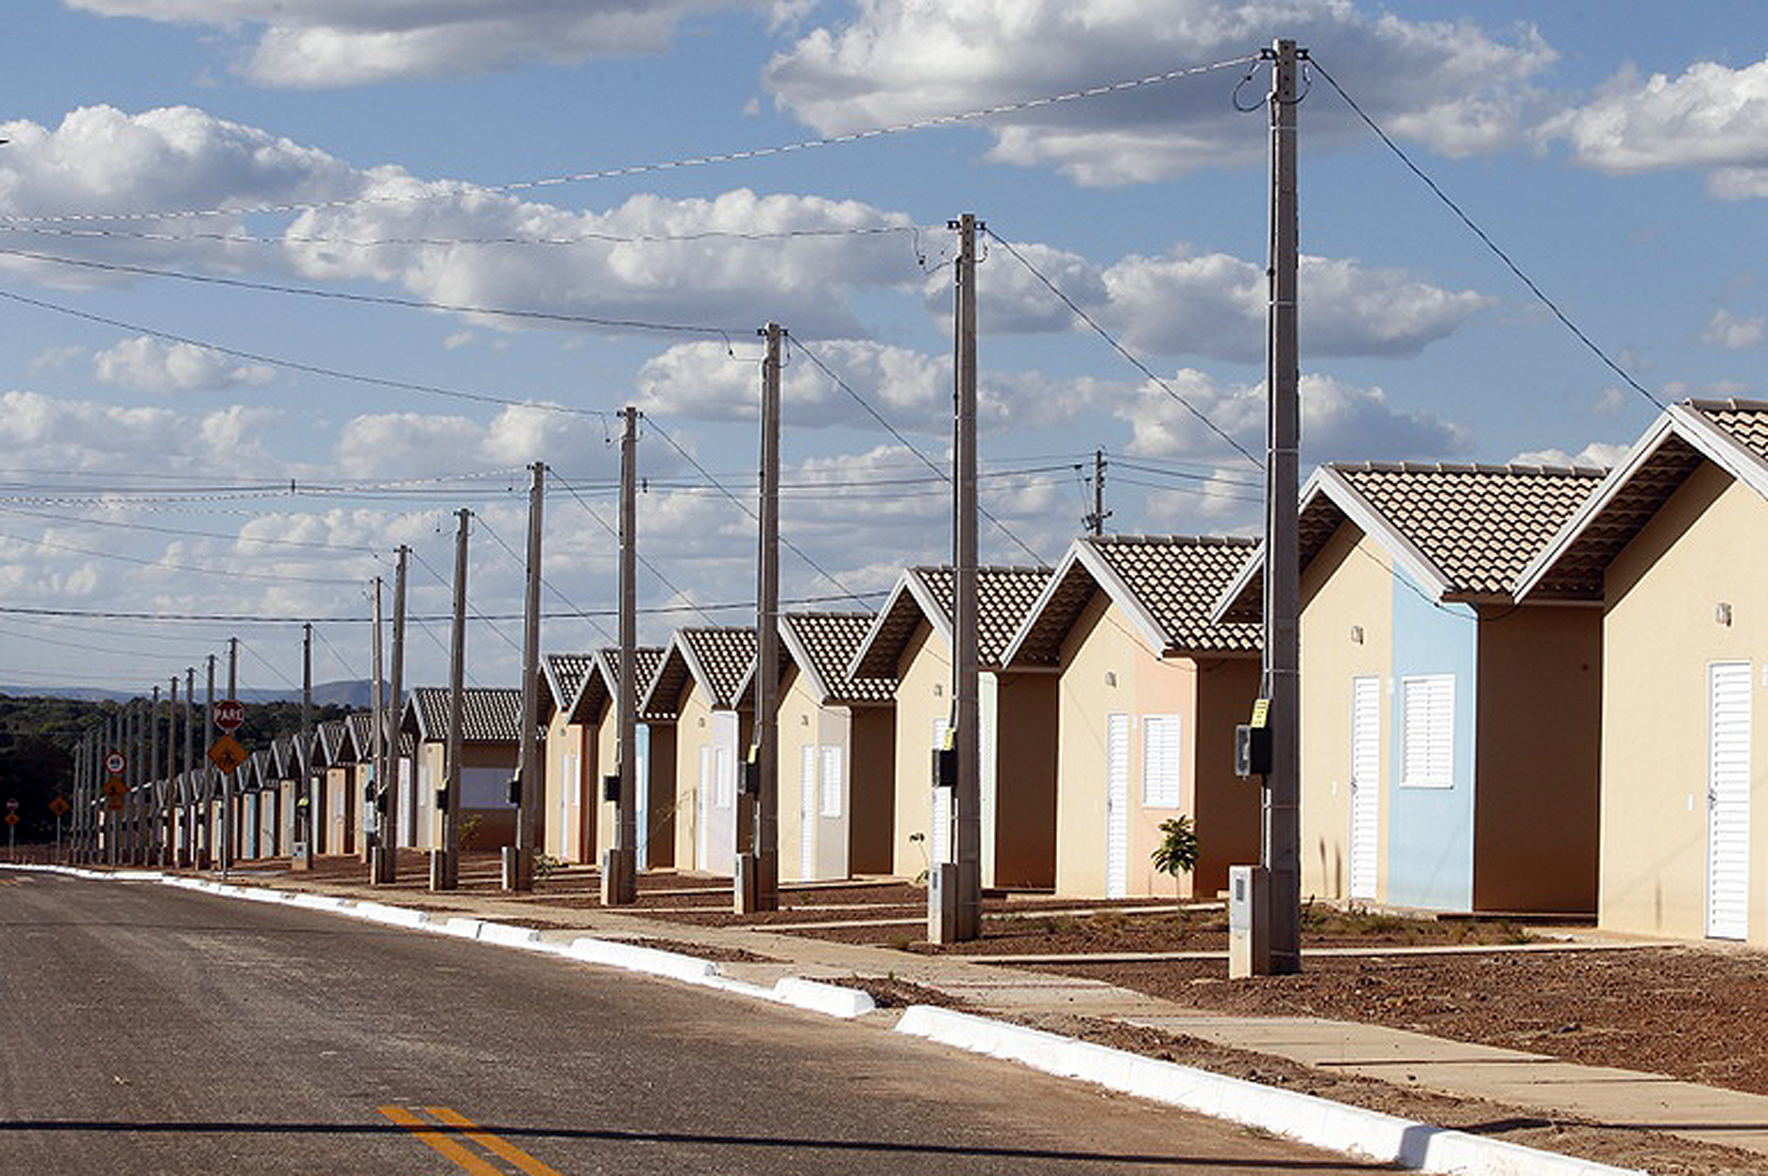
{"type": "Point", "coordinates": [229, 714]}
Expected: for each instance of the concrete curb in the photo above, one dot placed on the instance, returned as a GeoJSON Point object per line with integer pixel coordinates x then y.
{"type": "Point", "coordinates": [1304, 1118]}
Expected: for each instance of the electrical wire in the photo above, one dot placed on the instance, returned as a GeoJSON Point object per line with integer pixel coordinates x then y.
{"type": "Point", "coordinates": [586, 237]}
{"type": "Point", "coordinates": [640, 555]}
{"type": "Point", "coordinates": [172, 567]}
{"type": "Point", "coordinates": [522, 563]}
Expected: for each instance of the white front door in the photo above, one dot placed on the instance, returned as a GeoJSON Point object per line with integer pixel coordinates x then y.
{"type": "Point", "coordinates": [1117, 806]}
{"type": "Point", "coordinates": [1728, 800]}
{"type": "Point", "coordinates": [807, 812]}
{"type": "Point", "coordinates": [703, 810]}
{"type": "Point", "coordinates": [1365, 784]}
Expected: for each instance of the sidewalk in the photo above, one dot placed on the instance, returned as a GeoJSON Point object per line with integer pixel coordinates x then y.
{"type": "Point", "coordinates": [1541, 1084]}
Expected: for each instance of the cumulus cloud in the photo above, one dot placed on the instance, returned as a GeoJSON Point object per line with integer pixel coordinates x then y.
{"type": "Point", "coordinates": [44, 432]}
{"type": "Point", "coordinates": [1711, 116]}
{"type": "Point", "coordinates": [1599, 454]}
{"type": "Point", "coordinates": [1339, 421]}
{"type": "Point", "coordinates": [1214, 304]}
{"type": "Point", "coordinates": [326, 43]}
{"type": "Point", "coordinates": [146, 364]}
{"type": "Point", "coordinates": [414, 445]}
{"type": "Point", "coordinates": [1448, 84]}
{"type": "Point", "coordinates": [1735, 332]}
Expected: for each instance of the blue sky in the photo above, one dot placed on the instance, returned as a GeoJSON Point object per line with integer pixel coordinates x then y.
{"type": "Point", "coordinates": [1618, 152]}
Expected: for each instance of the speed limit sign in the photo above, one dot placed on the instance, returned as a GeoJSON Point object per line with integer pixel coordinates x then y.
{"type": "Point", "coordinates": [114, 763]}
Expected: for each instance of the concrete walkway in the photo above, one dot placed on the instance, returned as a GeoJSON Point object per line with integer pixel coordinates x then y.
{"type": "Point", "coordinates": [1534, 1082]}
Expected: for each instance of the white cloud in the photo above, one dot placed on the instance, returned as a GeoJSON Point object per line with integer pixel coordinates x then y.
{"type": "Point", "coordinates": [1215, 304]}
{"type": "Point", "coordinates": [1601, 454]}
{"type": "Point", "coordinates": [149, 365]}
{"type": "Point", "coordinates": [1735, 332]}
{"type": "Point", "coordinates": [44, 432]}
{"type": "Point", "coordinates": [1340, 422]}
{"type": "Point", "coordinates": [1711, 116]}
{"type": "Point", "coordinates": [323, 43]}
{"type": "Point", "coordinates": [1447, 84]}
{"type": "Point", "coordinates": [399, 445]}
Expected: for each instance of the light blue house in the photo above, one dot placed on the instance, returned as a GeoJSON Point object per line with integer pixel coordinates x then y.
{"type": "Point", "coordinates": [1450, 735]}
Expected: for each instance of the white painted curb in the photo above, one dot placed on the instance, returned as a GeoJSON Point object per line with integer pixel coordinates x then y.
{"type": "Point", "coordinates": [829, 999]}
{"type": "Point", "coordinates": [1302, 1117]}
{"type": "Point", "coordinates": [633, 958]}
{"type": "Point", "coordinates": [380, 912]}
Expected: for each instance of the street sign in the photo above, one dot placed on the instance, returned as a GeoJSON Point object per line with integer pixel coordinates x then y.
{"type": "Point", "coordinates": [12, 818]}
{"type": "Point", "coordinates": [114, 763]}
{"type": "Point", "coordinates": [59, 805]}
{"type": "Point", "coordinates": [115, 788]}
{"type": "Point", "coordinates": [12, 806]}
{"type": "Point", "coordinates": [229, 714]}
{"type": "Point", "coordinates": [228, 753]}
{"type": "Point", "coordinates": [115, 803]}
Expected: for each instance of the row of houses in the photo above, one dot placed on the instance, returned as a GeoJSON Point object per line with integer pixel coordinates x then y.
{"type": "Point", "coordinates": [1525, 689]}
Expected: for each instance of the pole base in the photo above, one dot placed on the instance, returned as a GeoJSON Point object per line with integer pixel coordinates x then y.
{"type": "Point", "coordinates": [382, 868]}
{"type": "Point", "coordinates": [444, 871]}
{"type": "Point", "coordinates": [518, 868]}
{"type": "Point", "coordinates": [619, 877]}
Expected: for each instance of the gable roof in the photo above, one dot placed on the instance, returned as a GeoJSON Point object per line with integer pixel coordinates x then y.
{"type": "Point", "coordinates": [1460, 532]}
{"type": "Point", "coordinates": [489, 714]}
{"type": "Point", "coordinates": [563, 674]}
{"type": "Point", "coordinates": [329, 743]}
{"type": "Point", "coordinates": [1165, 584]}
{"type": "Point", "coordinates": [1732, 434]}
{"type": "Point", "coordinates": [602, 681]}
{"type": "Point", "coordinates": [822, 645]}
{"type": "Point", "coordinates": [715, 659]}
{"type": "Point", "coordinates": [1005, 596]}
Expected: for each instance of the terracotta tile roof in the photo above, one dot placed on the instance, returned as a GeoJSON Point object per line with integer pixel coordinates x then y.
{"type": "Point", "coordinates": [716, 659]}
{"type": "Point", "coordinates": [823, 644]}
{"type": "Point", "coordinates": [488, 714]}
{"type": "Point", "coordinates": [360, 725]}
{"type": "Point", "coordinates": [329, 742]}
{"type": "Point", "coordinates": [602, 681]}
{"type": "Point", "coordinates": [1005, 594]}
{"type": "Point", "coordinates": [563, 674]}
{"type": "Point", "coordinates": [1465, 530]}
{"type": "Point", "coordinates": [1167, 583]}
{"type": "Point", "coordinates": [1732, 432]}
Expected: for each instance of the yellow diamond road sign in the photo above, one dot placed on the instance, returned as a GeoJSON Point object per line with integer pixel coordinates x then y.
{"type": "Point", "coordinates": [228, 753]}
{"type": "Point", "coordinates": [114, 787]}
{"type": "Point", "coordinates": [59, 805]}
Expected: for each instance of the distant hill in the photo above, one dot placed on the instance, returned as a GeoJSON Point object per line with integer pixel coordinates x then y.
{"type": "Point", "coordinates": [353, 694]}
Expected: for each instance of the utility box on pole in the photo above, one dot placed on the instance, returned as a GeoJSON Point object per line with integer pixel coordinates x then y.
{"type": "Point", "coordinates": [1249, 938]}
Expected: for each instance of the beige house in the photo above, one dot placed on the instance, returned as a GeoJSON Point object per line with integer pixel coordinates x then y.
{"type": "Point", "coordinates": [911, 641]}
{"type": "Point", "coordinates": [491, 718]}
{"type": "Point", "coordinates": [1450, 731]}
{"type": "Point", "coordinates": [594, 709]}
{"type": "Point", "coordinates": [837, 751]}
{"type": "Point", "coordinates": [334, 827]}
{"type": "Point", "coordinates": [571, 794]}
{"type": "Point", "coordinates": [1668, 555]}
{"type": "Point", "coordinates": [699, 681]}
{"type": "Point", "coordinates": [1150, 690]}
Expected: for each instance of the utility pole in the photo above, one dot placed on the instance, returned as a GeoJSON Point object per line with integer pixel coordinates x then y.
{"type": "Point", "coordinates": [301, 853]}
{"type": "Point", "coordinates": [156, 849]}
{"type": "Point", "coordinates": [620, 863]}
{"type": "Point", "coordinates": [1281, 841]}
{"type": "Point", "coordinates": [1095, 522]}
{"type": "Point", "coordinates": [173, 786]}
{"type": "Point", "coordinates": [445, 864]}
{"type": "Point", "coordinates": [955, 899]}
{"type": "Point", "coordinates": [518, 860]}
{"type": "Point", "coordinates": [758, 880]}
{"type": "Point", "coordinates": [209, 770]}
{"type": "Point", "coordinates": [377, 748]}
{"type": "Point", "coordinates": [227, 778]}
{"type": "Point", "coordinates": [190, 787]}
{"type": "Point", "coordinates": [388, 869]}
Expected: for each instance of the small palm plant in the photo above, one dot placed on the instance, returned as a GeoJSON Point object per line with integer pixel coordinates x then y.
{"type": "Point", "coordinates": [1177, 852]}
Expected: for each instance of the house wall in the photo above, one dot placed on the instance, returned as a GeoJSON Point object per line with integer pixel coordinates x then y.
{"type": "Point", "coordinates": [340, 809]}
{"type": "Point", "coordinates": [572, 790]}
{"type": "Point", "coordinates": [698, 726]}
{"type": "Point", "coordinates": [656, 750]}
{"type": "Point", "coordinates": [497, 820]}
{"type": "Point", "coordinates": [1345, 590]}
{"type": "Point", "coordinates": [1020, 825]}
{"type": "Point", "coordinates": [805, 723]}
{"type": "Point", "coordinates": [871, 792]}
{"type": "Point", "coordinates": [1660, 636]}
{"type": "Point", "coordinates": [1538, 759]}
{"type": "Point", "coordinates": [1430, 829]}
{"type": "Point", "coordinates": [922, 696]}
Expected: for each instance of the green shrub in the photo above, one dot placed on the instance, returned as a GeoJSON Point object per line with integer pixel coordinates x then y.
{"type": "Point", "coordinates": [1177, 852]}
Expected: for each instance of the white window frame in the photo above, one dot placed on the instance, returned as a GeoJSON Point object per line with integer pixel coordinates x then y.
{"type": "Point", "coordinates": [1431, 766]}
{"type": "Point", "coordinates": [829, 780]}
{"type": "Point", "coordinates": [1163, 767]}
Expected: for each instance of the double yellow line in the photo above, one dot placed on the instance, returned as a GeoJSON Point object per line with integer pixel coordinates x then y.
{"type": "Point", "coordinates": [460, 1127]}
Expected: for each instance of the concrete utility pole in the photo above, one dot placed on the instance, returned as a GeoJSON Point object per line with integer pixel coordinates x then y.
{"type": "Point", "coordinates": [620, 863]}
{"type": "Point", "coordinates": [190, 786]}
{"type": "Point", "coordinates": [1281, 852]}
{"type": "Point", "coordinates": [301, 853]}
{"type": "Point", "coordinates": [228, 778]}
{"type": "Point", "coordinates": [445, 864]}
{"type": "Point", "coordinates": [377, 746]}
{"type": "Point", "coordinates": [388, 869]}
{"type": "Point", "coordinates": [209, 770]}
{"type": "Point", "coordinates": [156, 848]}
{"type": "Point", "coordinates": [518, 860]}
{"type": "Point", "coordinates": [174, 794]}
{"type": "Point", "coordinates": [1095, 522]}
{"type": "Point", "coordinates": [955, 898]}
{"type": "Point", "coordinates": [758, 882]}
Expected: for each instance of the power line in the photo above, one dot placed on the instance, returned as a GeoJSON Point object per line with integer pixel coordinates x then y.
{"type": "Point", "coordinates": [642, 558]}
{"type": "Point", "coordinates": [1134, 361]}
{"type": "Point", "coordinates": [1485, 239]}
{"type": "Point", "coordinates": [637, 169]}
{"type": "Point", "coordinates": [586, 237]}
{"type": "Point", "coordinates": [296, 365]}
{"type": "Point", "coordinates": [521, 562]}
{"type": "Point", "coordinates": [172, 567]}
{"type": "Point", "coordinates": [139, 526]}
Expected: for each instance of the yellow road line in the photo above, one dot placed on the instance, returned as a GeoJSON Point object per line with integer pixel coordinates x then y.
{"type": "Point", "coordinates": [492, 1143]}
{"type": "Point", "coordinates": [466, 1160]}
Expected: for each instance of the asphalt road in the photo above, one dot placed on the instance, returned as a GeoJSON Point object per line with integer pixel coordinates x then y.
{"type": "Point", "coordinates": [151, 1030]}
